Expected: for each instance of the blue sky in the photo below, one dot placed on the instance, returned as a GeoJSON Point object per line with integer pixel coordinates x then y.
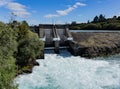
{"type": "Point", "coordinates": [57, 11]}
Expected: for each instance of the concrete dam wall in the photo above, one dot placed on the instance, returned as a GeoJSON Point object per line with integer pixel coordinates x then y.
{"type": "Point", "coordinates": [55, 36]}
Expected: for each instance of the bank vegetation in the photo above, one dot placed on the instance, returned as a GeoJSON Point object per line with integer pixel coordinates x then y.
{"type": "Point", "coordinates": [98, 23]}
{"type": "Point", "coordinates": [19, 48]}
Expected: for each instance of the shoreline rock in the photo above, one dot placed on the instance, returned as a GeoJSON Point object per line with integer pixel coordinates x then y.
{"type": "Point", "coordinates": [28, 68]}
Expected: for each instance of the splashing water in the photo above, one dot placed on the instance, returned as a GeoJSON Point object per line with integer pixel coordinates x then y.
{"type": "Point", "coordinates": [65, 71]}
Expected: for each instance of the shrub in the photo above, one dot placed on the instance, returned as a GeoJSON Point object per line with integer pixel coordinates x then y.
{"type": "Point", "coordinates": [8, 46]}
{"type": "Point", "coordinates": [92, 26]}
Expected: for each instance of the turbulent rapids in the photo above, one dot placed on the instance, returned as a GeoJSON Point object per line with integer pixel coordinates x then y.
{"type": "Point", "coordinates": [65, 71]}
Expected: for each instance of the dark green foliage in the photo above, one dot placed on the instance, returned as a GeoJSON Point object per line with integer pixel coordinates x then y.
{"type": "Point", "coordinates": [99, 23]}
{"type": "Point", "coordinates": [115, 17]}
{"type": "Point", "coordinates": [88, 21]}
{"type": "Point", "coordinates": [74, 22]}
{"type": "Point", "coordinates": [29, 45]}
{"type": "Point", "coordinates": [92, 26]}
{"type": "Point", "coordinates": [8, 46]}
{"type": "Point", "coordinates": [96, 19]}
{"type": "Point", "coordinates": [18, 46]}
{"type": "Point", "coordinates": [23, 30]}
{"type": "Point", "coordinates": [75, 27]}
{"type": "Point", "coordinates": [118, 18]}
{"type": "Point", "coordinates": [28, 49]}
{"type": "Point", "coordinates": [111, 26]}
{"type": "Point", "coordinates": [7, 73]}
{"type": "Point", "coordinates": [101, 18]}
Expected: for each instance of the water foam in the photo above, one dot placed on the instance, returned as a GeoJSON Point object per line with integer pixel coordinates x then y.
{"type": "Point", "coordinates": [68, 72]}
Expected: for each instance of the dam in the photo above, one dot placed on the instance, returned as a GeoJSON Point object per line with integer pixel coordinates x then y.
{"type": "Point", "coordinates": [55, 37]}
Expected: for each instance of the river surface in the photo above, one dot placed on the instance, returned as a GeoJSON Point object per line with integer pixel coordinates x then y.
{"type": "Point", "coordinates": [65, 71]}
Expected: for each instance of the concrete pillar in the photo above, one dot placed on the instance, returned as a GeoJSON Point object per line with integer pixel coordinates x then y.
{"type": "Point", "coordinates": [56, 49]}
{"type": "Point", "coordinates": [73, 48]}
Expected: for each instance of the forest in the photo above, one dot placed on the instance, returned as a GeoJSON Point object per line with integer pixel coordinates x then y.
{"type": "Point", "coordinates": [98, 23]}
{"type": "Point", "coordinates": [19, 48]}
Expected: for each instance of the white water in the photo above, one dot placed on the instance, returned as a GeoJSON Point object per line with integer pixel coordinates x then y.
{"type": "Point", "coordinates": [68, 72]}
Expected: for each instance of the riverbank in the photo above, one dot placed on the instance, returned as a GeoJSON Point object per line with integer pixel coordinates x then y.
{"type": "Point", "coordinates": [97, 44]}
{"type": "Point", "coordinates": [29, 67]}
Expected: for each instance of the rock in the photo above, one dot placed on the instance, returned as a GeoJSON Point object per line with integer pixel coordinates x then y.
{"type": "Point", "coordinates": [36, 63]}
{"type": "Point", "coordinates": [27, 71]}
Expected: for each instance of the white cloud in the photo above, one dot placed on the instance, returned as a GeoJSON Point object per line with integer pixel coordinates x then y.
{"type": "Point", "coordinates": [3, 2]}
{"type": "Point", "coordinates": [66, 11]}
{"type": "Point", "coordinates": [16, 8]}
{"type": "Point", "coordinates": [51, 15]}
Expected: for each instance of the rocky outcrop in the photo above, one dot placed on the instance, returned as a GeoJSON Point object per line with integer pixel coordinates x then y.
{"type": "Point", "coordinates": [97, 44]}
{"type": "Point", "coordinates": [28, 68]}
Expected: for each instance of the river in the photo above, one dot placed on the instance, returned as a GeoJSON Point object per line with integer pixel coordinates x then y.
{"type": "Point", "coordinates": [65, 71]}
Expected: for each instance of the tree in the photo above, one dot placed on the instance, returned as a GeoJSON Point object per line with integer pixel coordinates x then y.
{"type": "Point", "coordinates": [118, 18]}
{"type": "Point", "coordinates": [114, 17]}
{"type": "Point", "coordinates": [88, 21]}
{"type": "Point", "coordinates": [8, 46]}
{"type": "Point", "coordinates": [18, 46]}
{"type": "Point", "coordinates": [102, 18]}
{"type": "Point", "coordinates": [23, 30]}
{"type": "Point", "coordinates": [29, 46]}
{"type": "Point", "coordinates": [96, 19]}
{"type": "Point", "coordinates": [74, 23]}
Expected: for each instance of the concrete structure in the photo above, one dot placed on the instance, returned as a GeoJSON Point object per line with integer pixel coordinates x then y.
{"type": "Point", "coordinates": [55, 36]}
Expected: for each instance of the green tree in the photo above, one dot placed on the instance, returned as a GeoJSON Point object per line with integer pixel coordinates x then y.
{"type": "Point", "coordinates": [96, 19]}
{"type": "Point", "coordinates": [29, 45]}
{"type": "Point", "coordinates": [88, 21]}
{"type": "Point", "coordinates": [8, 46]}
{"type": "Point", "coordinates": [23, 30]}
{"type": "Point", "coordinates": [28, 49]}
{"type": "Point", "coordinates": [102, 18]}
{"type": "Point", "coordinates": [118, 18]}
{"type": "Point", "coordinates": [114, 17]}
{"type": "Point", "coordinates": [18, 46]}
